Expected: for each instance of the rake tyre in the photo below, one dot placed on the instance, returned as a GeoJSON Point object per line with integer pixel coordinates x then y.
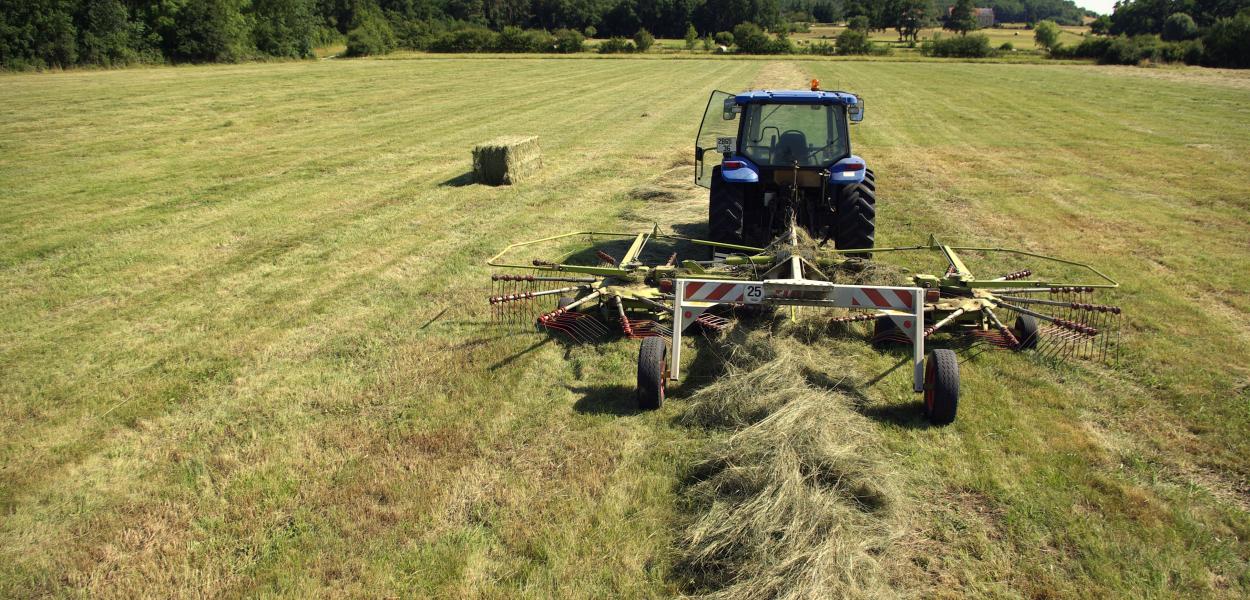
{"type": "Point", "coordinates": [1026, 331]}
{"type": "Point", "coordinates": [886, 333]}
{"type": "Point", "coordinates": [652, 373]}
{"type": "Point", "coordinates": [941, 387]}
{"type": "Point", "coordinates": [725, 211]}
{"type": "Point", "coordinates": [856, 225]}
{"type": "Point", "coordinates": [564, 301]}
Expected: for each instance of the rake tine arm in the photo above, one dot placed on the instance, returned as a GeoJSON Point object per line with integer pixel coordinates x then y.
{"type": "Point", "coordinates": [512, 277]}
{"type": "Point", "coordinates": [605, 257]}
{"type": "Point", "coordinates": [1101, 308]}
{"type": "Point", "coordinates": [1011, 337]}
{"type": "Point", "coordinates": [1014, 276]}
{"type": "Point", "coordinates": [656, 305]}
{"type": "Point", "coordinates": [544, 319]}
{"type": "Point", "coordinates": [530, 295]}
{"type": "Point", "coordinates": [1062, 323]}
{"type": "Point", "coordinates": [949, 318]}
{"type": "Point", "coordinates": [626, 327]}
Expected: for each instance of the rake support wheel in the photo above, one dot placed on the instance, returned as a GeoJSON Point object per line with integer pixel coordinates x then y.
{"type": "Point", "coordinates": [941, 386]}
{"type": "Point", "coordinates": [886, 333]}
{"type": "Point", "coordinates": [1026, 332]}
{"type": "Point", "coordinates": [652, 373]}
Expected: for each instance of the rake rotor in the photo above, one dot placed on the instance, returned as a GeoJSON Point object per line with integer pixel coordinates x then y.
{"type": "Point", "coordinates": [1017, 311]}
{"type": "Point", "coordinates": [625, 297]}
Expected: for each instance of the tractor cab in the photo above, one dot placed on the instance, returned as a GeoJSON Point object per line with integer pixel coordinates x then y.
{"type": "Point", "coordinates": [774, 130]}
{"type": "Point", "coordinates": [771, 156]}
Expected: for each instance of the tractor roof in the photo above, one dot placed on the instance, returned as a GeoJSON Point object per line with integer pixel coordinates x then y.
{"type": "Point", "coordinates": [795, 97]}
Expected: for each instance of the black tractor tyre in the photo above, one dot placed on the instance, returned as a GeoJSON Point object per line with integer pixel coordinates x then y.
{"type": "Point", "coordinates": [564, 301]}
{"type": "Point", "coordinates": [886, 333]}
{"type": "Point", "coordinates": [856, 225]}
{"type": "Point", "coordinates": [941, 386]}
{"type": "Point", "coordinates": [652, 373]}
{"type": "Point", "coordinates": [725, 211]}
{"type": "Point", "coordinates": [1026, 330]}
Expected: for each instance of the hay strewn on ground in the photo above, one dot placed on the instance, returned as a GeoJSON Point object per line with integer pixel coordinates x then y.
{"type": "Point", "coordinates": [792, 505]}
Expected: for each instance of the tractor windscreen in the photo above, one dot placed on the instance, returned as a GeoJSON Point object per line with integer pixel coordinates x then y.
{"type": "Point", "coordinates": [777, 135]}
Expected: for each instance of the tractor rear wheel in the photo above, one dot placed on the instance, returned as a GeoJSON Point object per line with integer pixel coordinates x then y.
{"type": "Point", "coordinates": [724, 212]}
{"type": "Point", "coordinates": [856, 225]}
{"type": "Point", "coordinates": [1026, 332]}
{"type": "Point", "coordinates": [941, 386]}
{"type": "Point", "coordinates": [652, 373]}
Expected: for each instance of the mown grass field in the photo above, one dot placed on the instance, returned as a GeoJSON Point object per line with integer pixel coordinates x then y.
{"type": "Point", "coordinates": [244, 348]}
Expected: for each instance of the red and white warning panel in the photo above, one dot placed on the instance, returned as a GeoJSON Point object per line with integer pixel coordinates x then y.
{"type": "Point", "coordinates": [714, 291]}
{"type": "Point", "coordinates": [903, 305]}
{"type": "Point", "coordinates": [882, 298]}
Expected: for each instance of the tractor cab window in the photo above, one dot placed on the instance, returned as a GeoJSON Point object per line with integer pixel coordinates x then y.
{"type": "Point", "coordinates": [778, 135]}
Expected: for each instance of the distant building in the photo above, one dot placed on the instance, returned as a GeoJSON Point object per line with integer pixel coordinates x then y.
{"type": "Point", "coordinates": [985, 16]}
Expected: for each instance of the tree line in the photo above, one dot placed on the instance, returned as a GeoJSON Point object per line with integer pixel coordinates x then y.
{"type": "Point", "coordinates": [65, 33]}
{"type": "Point", "coordinates": [1208, 32]}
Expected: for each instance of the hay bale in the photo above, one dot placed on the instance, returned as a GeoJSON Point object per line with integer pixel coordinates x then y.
{"type": "Point", "coordinates": [506, 160]}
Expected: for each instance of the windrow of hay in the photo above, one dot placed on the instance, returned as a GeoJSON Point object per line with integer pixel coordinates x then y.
{"type": "Point", "coordinates": [792, 504]}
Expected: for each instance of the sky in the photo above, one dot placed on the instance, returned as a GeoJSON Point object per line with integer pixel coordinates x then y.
{"type": "Point", "coordinates": [1102, 7]}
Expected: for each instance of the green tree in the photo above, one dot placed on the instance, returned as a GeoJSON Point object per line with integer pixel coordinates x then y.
{"type": "Point", "coordinates": [1046, 35]}
{"type": "Point", "coordinates": [859, 23]}
{"type": "Point", "coordinates": [644, 40]}
{"type": "Point", "coordinates": [569, 41]}
{"type": "Point", "coordinates": [211, 31]}
{"type": "Point", "coordinates": [283, 27]}
{"type": "Point", "coordinates": [962, 18]}
{"type": "Point", "coordinates": [1227, 42]}
{"type": "Point", "coordinates": [371, 34]}
{"type": "Point", "coordinates": [853, 41]}
{"type": "Point", "coordinates": [1101, 25]}
{"type": "Point", "coordinates": [1179, 27]}
{"type": "Point", "coordinates": [750, 39]}
{"type": "Point", "coordinates": [692, 37]}
{"type": "Point", "coordinates": [105, 33]}
{"type": "Point", "coordinates": [912, 16]}
{"type": "Point", "coordinates": [38, 33]}
{"type": "Point", "coordinates": [590, 31]}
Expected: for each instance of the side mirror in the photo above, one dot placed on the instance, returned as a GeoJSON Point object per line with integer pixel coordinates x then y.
{"type": "Point", "coordinates": [855, 112]}
{"type": "Point", "coordinates": [731, 109]}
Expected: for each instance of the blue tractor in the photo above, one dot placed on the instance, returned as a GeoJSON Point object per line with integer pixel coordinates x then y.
{"type": "Point", "coordinates": [783, 157]}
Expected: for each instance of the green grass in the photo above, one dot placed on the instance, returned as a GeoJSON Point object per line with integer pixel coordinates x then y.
{"type": "Point", "coordinates": [243, 344]}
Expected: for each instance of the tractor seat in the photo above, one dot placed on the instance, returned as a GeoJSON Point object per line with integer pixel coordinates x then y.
{"type": "Point", "coordinates": [791, 146]}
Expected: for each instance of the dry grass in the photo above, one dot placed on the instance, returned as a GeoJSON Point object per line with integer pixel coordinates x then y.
{"type": "Point", "coordinates": [793, 504]}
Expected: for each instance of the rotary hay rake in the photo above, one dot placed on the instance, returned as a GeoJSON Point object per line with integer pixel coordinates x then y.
{"type": "Point", "coordinates": [586, 293]}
